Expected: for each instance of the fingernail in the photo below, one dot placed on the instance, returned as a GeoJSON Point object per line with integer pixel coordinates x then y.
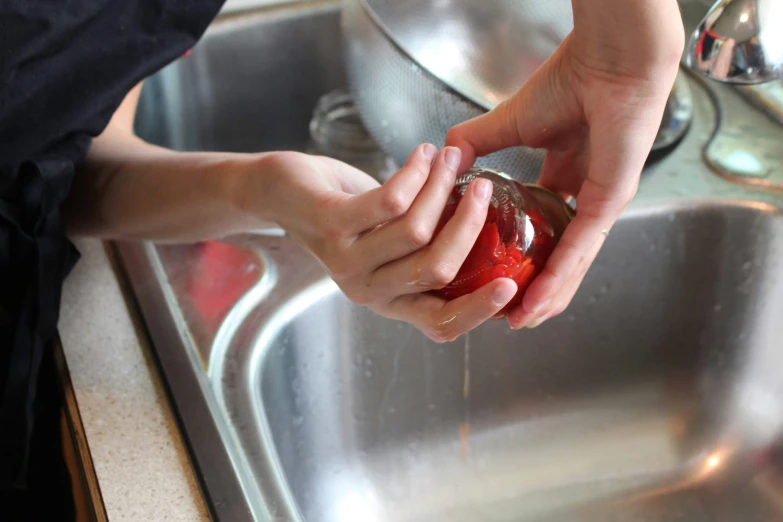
{"type": "Point", "coordinates": [518, 325]}
{"type": "Point", "coordinates": [535, 323]}
{"type": "Point", "coordinates": [429, 151]}
{"type": "Point", "coordinates": [434, 338]}
{"type": "Point", "coordinates": [484, 189]}
{"type": "Point", "coordinates": [453, 157]}
{"type": "Point", "coordinates": [503, 294]}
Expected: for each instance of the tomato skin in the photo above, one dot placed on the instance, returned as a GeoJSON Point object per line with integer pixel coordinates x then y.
{"type": "Point", "coordinates": [491, 258]}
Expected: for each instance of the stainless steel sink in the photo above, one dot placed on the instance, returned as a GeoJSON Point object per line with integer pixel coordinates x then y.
{"type": "Point", "coordinates": [658, 396]}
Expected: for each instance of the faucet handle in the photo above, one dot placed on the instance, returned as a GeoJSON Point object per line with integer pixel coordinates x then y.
{"type": "Point", "coordinates": [739, 42]}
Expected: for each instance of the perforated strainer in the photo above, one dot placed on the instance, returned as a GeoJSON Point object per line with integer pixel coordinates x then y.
{"type": "Point", "coordinates": [418, 67]}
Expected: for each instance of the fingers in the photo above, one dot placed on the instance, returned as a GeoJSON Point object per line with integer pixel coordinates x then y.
{"type": "Point", "coordinates": [414, 231]}
{"type": "Point", "coordinates": [366, 211]}
{"type": "Point", "coordinates": [444, 321]}
{"type": "Point", "coordinates": [518, 318]}
{"type": "Point", "coordinates": [576, 251]}
{"type": "Point", "coordinates": [616, 161]}
{"type": "Point", "coordinates": [572, 257]}
{"type": "Point", "coordinates": [562, 302]}
{"type": "Point", "coordinates": [437, 265]}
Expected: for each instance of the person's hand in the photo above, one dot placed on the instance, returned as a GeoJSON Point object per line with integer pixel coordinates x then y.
{"type": "Point", "coordinates": [377, 241]}
{"type": "Point", "coordinates": [596, 106]}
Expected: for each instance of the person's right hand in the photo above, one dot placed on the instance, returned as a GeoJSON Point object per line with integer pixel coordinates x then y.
{"type": "Point", "coordinates": [595, 106]}
{"type": "Point", "coordinates": [377, 241]}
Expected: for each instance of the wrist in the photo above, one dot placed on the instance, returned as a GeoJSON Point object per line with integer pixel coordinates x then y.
{"type": "Point", "coordinates": [260, 193]}
{"type": "Point", "coordinates": [646, 36]}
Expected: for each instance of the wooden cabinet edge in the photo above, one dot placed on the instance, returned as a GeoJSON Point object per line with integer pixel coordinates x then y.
{"type": "Point", "coordinates": [84, 481]}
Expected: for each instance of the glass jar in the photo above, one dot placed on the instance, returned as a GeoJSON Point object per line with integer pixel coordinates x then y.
{"type": "Point", "coordinates": [337, 131]}
{"type": "Point", "coordinates": [524, 223]}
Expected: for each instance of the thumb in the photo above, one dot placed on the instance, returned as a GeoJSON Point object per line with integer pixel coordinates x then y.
{"type": "Point", "coordinates": [530, 118]}
{"type": "Point", "coordinates": [485, 134]}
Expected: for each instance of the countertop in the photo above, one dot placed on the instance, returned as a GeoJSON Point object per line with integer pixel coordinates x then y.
{"type": "Point", "coordinates": [141, 464]}
{"type": "Point", "coordinates": [139, 457]}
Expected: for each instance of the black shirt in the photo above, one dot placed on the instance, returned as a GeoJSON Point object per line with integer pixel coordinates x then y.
{"type": "Point", "coordinates": [64, 69]}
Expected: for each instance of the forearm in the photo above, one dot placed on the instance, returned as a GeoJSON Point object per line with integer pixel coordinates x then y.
{"type": "Point", "coordinates": [129, 189]}
{"type": "Point", "coordinates": [630, 37]}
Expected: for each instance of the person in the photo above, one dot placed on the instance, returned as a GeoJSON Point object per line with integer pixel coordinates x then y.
{"type": "Point", "coordinates": [70, 165]}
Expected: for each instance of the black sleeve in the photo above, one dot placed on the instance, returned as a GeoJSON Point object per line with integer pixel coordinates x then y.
{"type": "Point", "coordinates": [64, 69]}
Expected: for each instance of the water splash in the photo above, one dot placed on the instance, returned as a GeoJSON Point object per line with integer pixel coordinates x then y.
{"type": "Point", "coordinates": [464, 428]}
{"type": "Point", "coordinates": [390, 385]}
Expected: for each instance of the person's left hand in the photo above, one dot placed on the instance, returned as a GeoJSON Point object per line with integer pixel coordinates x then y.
{"type": "Point", "coordinates": [380, 243]}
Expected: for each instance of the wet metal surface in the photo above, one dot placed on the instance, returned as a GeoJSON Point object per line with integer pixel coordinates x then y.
{"type": "Point", "coordinates": [657, 396]}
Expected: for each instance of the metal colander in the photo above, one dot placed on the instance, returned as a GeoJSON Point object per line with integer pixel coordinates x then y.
{"type": "Point", "coordinates": [418, 67]}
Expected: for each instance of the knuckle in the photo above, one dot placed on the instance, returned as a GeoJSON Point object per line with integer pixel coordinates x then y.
{"type": "Point", "coordinates": [442, 273]}
{"type": "Point", "coordinates": [284, 160]}
{"type": "Point", "coordinates": [441, 333]}
{"type": "Point", "coordinates": [359, 297]}
{"type": "Point", "coordinates": [331, 231]}
{"type": "Point", "coordinates": [417, 234]}
{"type": "Point", "coordinates": [395, 202]}
{"type": "Point", "coordinates": [627, 195]}
{"type": "Point", "coordinates": [346, 269]}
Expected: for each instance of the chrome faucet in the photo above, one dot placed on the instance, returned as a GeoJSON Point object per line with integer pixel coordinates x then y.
{"type": "Point", "coordinates": [739, 42]}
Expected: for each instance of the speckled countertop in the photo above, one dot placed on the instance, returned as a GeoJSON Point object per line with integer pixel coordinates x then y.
{"type": "Point", "coordinates": [140, 461]}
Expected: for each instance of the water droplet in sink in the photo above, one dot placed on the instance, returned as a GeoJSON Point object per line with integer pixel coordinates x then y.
{"type": "Point", "coordinates": [571, 317]}
{"type": "Point", "coordinates": [717, 307]}
{"type": "Point", "coordinates": [605, 288]}
{"type": "Point", "coordinates": [384, 123]}
{"type": "Point", "coordinates": [592, 299]}
{"type": "Point", "coordinates": [431, 407]}
{"type": "Point", "coordinates": [368, 374]}
{"type": "Point", "coordinates": [297, 420]}
{"type": "Point", "coordinates": [747, 266]}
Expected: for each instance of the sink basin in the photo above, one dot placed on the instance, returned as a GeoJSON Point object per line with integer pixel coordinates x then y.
{"type": "Point", "coordinates": [657, 396]}
{"type": "Point", "coordinates": [661, 381]}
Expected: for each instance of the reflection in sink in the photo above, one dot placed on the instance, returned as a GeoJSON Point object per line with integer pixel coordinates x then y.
{"type": "Point", "coordinates": [656, 397]}
{"type": "Point", "coordinates": [661, 380]}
